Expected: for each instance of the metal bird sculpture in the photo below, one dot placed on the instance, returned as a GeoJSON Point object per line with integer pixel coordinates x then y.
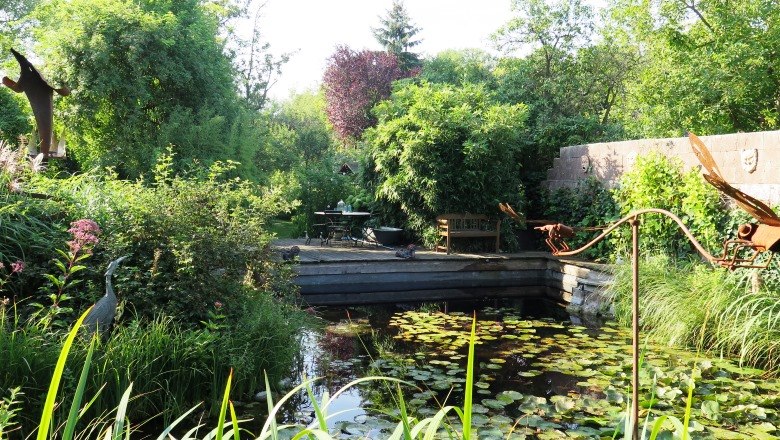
{"type": "Point", "coordinates": [102, 314]}
{"type": "Point", "coordinates": [40, 94]}
{"type": "Point", "coordinates": [557, 233]}
{"type": "Point", "coordinates": [761, 236]}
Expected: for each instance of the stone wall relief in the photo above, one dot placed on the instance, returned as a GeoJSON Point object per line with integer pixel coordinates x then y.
{"type": "Point", "coordinates": [749, 159]}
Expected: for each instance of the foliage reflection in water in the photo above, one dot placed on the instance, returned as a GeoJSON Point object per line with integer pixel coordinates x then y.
{"type": "Point", "coordinates": [539, 374]}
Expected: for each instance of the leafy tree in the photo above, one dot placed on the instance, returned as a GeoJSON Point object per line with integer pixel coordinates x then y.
{"type": "Point", "coordinates": [459, 67]}
{"type": "Point", "coordinates": [13, 20]}
{"type": "Point", "coordinates": [141, 71]}
{"type": "Point", "coordinates": [555, 28]}
{"type": "Point", "coordinates": [710, 66]}
{"type": "Point", "coordinates": [439, 148]}
{"type": "Point", "coordinates": [396, 34]}
{"type": "Point", "coordinates": [570, 84]}
{"type": "Point", "coordinates": [354, 82]}
{"type": "Point", "coordinates": [258, 69]}
{"type": "Point", "coordinates": [305, 115]}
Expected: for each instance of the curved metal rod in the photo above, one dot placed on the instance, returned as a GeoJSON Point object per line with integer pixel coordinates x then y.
{"type": "Point", "coordinates": [634, 215]}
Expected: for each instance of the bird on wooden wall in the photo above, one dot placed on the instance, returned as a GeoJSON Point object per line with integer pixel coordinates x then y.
{"type": "Point", "coordinates": [102, 314]}
{"type": "Point", "coordinates": [760, 236]}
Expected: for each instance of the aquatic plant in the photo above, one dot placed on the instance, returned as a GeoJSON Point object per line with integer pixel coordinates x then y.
{"type": "Point", "coordinates": [713, 408]}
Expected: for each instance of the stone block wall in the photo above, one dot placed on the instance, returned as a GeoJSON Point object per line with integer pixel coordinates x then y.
{"type": "Point", "coordinates": [748, 161]}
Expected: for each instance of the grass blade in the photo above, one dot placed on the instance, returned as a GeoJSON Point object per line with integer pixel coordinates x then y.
{"type": "Point", "coordinates": [54, 385]}
{"type": "Point", "coordinates": [271, 413]}
{"type": "Point", "coordinates": [469, 385]}
{"type": "Point", "coordinates": [404, 415]}
{"type": "Point", "coordinates": [234, 421]}
{"type": "Point", "coordinates": [223, 407]}
{"type": "Point", "coordinates": [317, 411]}
{"type": "Point", "coordinates": [73, 415]}
{"type": "Point", "coordinates": [170, 427]}
{"type": "Point", "coordinates": [688, 405]}
{"type": "Point", "coordinates": [436, 420]}
{"type": "Point", "coordinates": [659, 422]}
{"type": "Point", "coordinates": [121, 411]}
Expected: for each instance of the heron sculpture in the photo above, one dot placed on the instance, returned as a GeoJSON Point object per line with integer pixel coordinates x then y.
{"type": "Point", "coordinates": [102, 314]}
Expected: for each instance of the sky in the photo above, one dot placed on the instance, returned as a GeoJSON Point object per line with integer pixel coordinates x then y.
{"type": "Point", "coordinates": [313, 28]}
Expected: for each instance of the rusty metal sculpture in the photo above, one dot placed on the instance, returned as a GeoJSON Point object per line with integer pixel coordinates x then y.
{"type": "Point", "coordinates": [40, 94]}
{"type": "Point", "coordinates": [758, 237]}
{"type": "Point", "coordinates": [557, 233]}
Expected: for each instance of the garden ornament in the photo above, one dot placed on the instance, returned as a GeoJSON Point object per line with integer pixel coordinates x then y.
{"type": "Point", "coordinates": [556, 233]}
{"type": "Point", "coordinates": [407, 252]}
{"type": "Point", "coordinates": [40, 94]}
{"type": "Point", "coordinates": [290, 254]}
{"type": "Point", "coordinates": [760, 236]}
{"type": "Point", "coordinates": [102, 314]}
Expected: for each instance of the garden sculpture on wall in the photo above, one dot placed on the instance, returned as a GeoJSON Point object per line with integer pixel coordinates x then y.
{"type": "Point", "coordinates": [41, 97]}
{"type": "Point", "coordinates": [758, 237]}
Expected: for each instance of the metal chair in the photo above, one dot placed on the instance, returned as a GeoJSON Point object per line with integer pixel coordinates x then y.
{"type": "Point", "coordinates": [336, 227]}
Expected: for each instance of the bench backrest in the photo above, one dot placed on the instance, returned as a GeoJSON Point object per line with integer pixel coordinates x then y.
{"type": "Point", "coordinates": [465, 222]}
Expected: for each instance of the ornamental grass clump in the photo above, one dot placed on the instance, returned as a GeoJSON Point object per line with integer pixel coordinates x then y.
{"type": "Point", "coordinates": [693, 304]}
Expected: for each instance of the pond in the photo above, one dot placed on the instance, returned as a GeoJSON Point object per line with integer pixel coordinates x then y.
{"type": "Point", "coordinates": [539, 374]}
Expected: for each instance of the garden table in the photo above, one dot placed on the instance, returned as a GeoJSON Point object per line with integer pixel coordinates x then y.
{"type": "Point", "coordinates": [340, 224]}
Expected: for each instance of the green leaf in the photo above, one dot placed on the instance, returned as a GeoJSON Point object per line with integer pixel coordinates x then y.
{"type": "Point", "coordinates": [710, 409]}
{"type": "Point", "coordinates": [70, 425]}
{"type": "Point", "coordinates": [119, 420]}
{"type": "Point", "coordinates": [54, 385]}
{"type": "Point", "coordinates": [224, 407]}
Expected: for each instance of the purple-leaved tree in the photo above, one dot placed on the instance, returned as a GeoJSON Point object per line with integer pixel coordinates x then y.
{"type": "Point", "coordinates": [354, 82]}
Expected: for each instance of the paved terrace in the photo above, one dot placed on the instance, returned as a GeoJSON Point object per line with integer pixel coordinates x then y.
{"type": "Point", "coordinates": [345, 274]}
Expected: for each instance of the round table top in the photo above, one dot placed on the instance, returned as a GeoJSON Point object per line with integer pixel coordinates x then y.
{"type": "Point", "coordinates": [351, 213]}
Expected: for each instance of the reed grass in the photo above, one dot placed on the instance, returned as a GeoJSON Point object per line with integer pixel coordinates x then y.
{"type": "Point", "coordinates": [692, 304]}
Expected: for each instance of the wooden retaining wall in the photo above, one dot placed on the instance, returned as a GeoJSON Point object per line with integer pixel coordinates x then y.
{"type": "Point", "coordinates": [453, 277]}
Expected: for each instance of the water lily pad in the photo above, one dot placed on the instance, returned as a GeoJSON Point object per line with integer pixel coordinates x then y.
{"type": "Point", "coordinates": [710, 409]}
{"type": "Point", "coordinates": [479, 409]}
{"type": "Point", "coordinates": [494, 403]}
{"type": "Point", "coordinates": [479, 420]}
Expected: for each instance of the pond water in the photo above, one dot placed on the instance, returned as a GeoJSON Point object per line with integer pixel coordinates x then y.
{"type": "Point", "coordinates": [539, 374]}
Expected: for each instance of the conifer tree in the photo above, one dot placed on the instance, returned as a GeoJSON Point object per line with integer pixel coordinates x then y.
{"type": "Point", "coordinates": [396, 35]}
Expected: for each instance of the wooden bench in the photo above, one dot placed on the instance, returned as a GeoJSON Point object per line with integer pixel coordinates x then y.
{"type": "Point", "coordinates": [466, 225]}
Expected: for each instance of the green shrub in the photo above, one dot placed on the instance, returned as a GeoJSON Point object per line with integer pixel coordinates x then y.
{"type": "Point", "coordinates": [192, 240]}
{"type": "Point", "coordinates": [588, 205]}
{"type": "Point", "coordinates": [439, 149]}
{"type": "Point", "coordinates": [172, 366]}
{"type": "Point", "coordinates": [13, 120]}
{"type": "Point", "coordinates": [657, 182]}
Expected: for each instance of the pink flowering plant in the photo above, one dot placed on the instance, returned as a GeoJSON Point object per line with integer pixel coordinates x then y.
{"type": "Point", "coordinates": [6, 272]}
{"type": "Point", "coordinates": [84, 237]}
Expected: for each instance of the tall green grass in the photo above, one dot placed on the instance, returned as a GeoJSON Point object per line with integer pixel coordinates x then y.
{"type": "Point", "coordinates": [172, 367]}
{"type": "Point", "coordinates": [695, 305]}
